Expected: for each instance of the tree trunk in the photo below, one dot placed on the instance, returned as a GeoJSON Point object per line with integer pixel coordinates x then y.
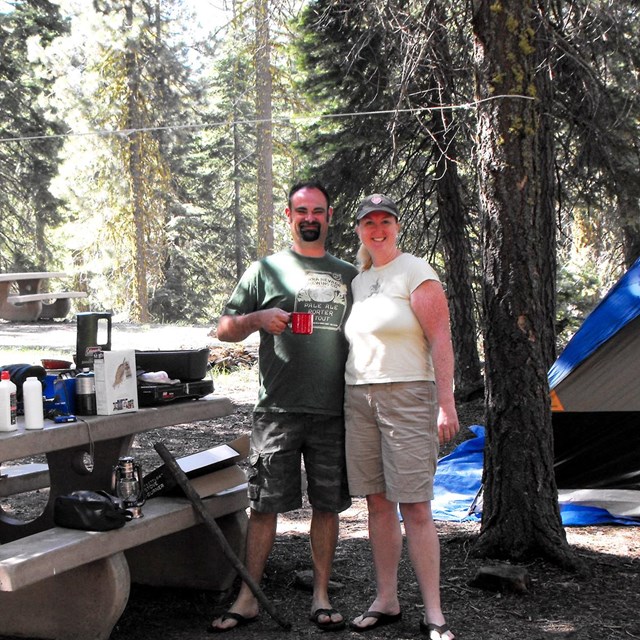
{"type": "Point", "coordinates": [457, 248]}
{"type": "Point", "coordinates": [237, 170]}
{"type": "Point", "coordinates": [521, 517]}
{"type": "Point", "coordinates": [454, 226]}
{"type": "Point", "coordinates": [264, 131]}
{"type": "Point", "coordinates": [237, 205]}
{"type": "Point", "coordinates": [140, 311]}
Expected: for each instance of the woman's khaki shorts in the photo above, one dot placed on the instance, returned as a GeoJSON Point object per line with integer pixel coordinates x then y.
{"type": "Point", "coordinates": [392, 440]}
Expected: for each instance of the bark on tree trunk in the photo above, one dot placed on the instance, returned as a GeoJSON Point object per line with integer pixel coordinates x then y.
{"type": "Point", "coordinates": [521, 517]}
{"type": "Point", "coordinates": [238, 220]}
{"type": "Point", "coordinates": [264, 141]}
{"type": "Point", "coordinates": [457, 248]}
{"type": "Point", "coordinates": [237, 208]}
{"type": "Point", "coordinates": [140, 311]}
{"type": "Point", "coordinates": [453, 222]}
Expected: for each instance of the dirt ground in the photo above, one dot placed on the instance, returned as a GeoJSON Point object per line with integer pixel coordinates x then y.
{"type": "Point", "coordinates": [558, 605]}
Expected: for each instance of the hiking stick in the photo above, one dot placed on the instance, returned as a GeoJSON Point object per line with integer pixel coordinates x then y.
{"type": "Point", "coordinates": [183, 482]}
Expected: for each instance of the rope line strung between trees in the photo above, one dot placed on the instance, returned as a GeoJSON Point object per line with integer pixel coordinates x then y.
{"type": "Point", "coordinates": [275, 120]}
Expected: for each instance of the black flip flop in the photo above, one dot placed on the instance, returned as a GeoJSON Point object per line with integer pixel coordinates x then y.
{"type": "Point", "coordinates": [242, 621]}
{"type": "Point", "coordinates": [426, 629]}
{"type": "Point", "coordinates": [329, 625]}
{"type": "Point", "coordinates": [382, 619]}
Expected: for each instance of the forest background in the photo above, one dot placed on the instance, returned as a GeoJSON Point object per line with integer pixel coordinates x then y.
{"type": "Point", "coordinates": [149, 156]}
{"type": "Point", "coordinates": [133, 140]}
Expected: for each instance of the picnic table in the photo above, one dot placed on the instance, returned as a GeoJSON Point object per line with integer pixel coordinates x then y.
{"type": "Point", "coordinates": [30, 302]}
{"type": "Point", "coordinates": [75, 584]}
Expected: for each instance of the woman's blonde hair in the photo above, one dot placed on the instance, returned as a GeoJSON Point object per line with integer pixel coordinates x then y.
{"type": "Point", "coordinates": [363, 259]}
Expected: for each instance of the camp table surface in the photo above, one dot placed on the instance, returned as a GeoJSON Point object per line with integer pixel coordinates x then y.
{"type": "Point", "coordinates": [106, 438]}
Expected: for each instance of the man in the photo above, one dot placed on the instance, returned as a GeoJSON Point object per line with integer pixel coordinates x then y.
{"type": "Point", "coordinates": [300, 401]}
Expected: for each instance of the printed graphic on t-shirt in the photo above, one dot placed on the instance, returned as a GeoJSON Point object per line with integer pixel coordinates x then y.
{"type": "Point", "coordinates": [325, 295]}
{"type": "Point", "coordinates": [375, 288]}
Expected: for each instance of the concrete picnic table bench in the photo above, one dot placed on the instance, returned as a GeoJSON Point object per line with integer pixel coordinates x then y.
{"type": "Point", "coordinates": [74, 585]}
{"type": "Point", "coordinates": [67, 584]}
{"type": "Point", "coordinates": [31, 303]}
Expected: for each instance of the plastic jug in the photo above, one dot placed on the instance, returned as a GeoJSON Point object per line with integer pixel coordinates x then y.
{"type": "Point", "coordinates": [92, 327]}
{"type": "Point", "coordinates": [8, 405]}
{"type": "Point", "coordinates": [33, 395]}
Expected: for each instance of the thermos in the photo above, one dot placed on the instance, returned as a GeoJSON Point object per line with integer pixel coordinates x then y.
{"type": "Point", "coordinates": [86, 393]}
{"type": "Point", "coordinates": [33, 397]}
{"type": "Point", "coordinates": [90, 325]}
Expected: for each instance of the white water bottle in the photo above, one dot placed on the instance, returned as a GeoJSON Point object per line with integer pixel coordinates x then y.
{"type": "Point", "coordinates": [33, 403]}
{"type": "Point", "coordinates": [8, 404]}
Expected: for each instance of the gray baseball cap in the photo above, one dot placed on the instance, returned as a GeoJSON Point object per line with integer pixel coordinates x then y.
{"type": "Point", "coordinates": [377, 202]}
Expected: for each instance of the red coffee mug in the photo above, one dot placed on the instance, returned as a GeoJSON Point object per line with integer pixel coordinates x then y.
{"type": "Point", "coordinates": [302, 322]}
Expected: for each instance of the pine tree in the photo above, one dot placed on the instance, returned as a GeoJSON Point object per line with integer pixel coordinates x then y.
{"type": "Point", "coordinates": [29, 149]}
{"type": "Point", "coordinates": [393, 58]}
{"type": "Point", "coordinates": [128, 85]}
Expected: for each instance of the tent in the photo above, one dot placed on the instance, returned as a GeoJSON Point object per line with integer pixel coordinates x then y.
{"type": "Point", "coordinates": [595, 394]}
{"type": "Point", "coordinates": [458, 496]}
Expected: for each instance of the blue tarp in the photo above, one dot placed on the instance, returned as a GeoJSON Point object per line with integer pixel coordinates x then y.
{"type": "Point", "coordinates": [459, 477]}
{"type": "Point", "coordinates": [619, 307]}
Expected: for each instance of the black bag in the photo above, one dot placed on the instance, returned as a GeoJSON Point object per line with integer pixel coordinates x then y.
{"type": "Point", "coordinates": [89, 511]}
{"type": "Point", "coordinates": [18, 373]}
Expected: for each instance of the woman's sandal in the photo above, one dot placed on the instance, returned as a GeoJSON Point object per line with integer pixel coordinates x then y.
{"type": "Point", "coordinates": [427, 629]}
{"type": "Point", "coordinates": [241, 621]}
{"type": "Point", "coordinates": [381, 620]}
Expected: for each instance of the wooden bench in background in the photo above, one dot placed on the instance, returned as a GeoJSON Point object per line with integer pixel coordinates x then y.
{"type": "Point", "coordinates": [30, 303]}
{"type": "Point", "coordinates": [56, 304]}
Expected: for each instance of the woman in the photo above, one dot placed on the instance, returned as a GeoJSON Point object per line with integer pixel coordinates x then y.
{"type": "Point", "coordinates": [398, 406]}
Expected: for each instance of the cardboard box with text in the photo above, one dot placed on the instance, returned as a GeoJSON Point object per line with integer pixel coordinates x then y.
{"type": "Point", "coordinates": [116, 384]}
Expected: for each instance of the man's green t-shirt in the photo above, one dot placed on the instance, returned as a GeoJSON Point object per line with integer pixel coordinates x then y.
{"type": "Point", "coordinates": [299, 373]}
